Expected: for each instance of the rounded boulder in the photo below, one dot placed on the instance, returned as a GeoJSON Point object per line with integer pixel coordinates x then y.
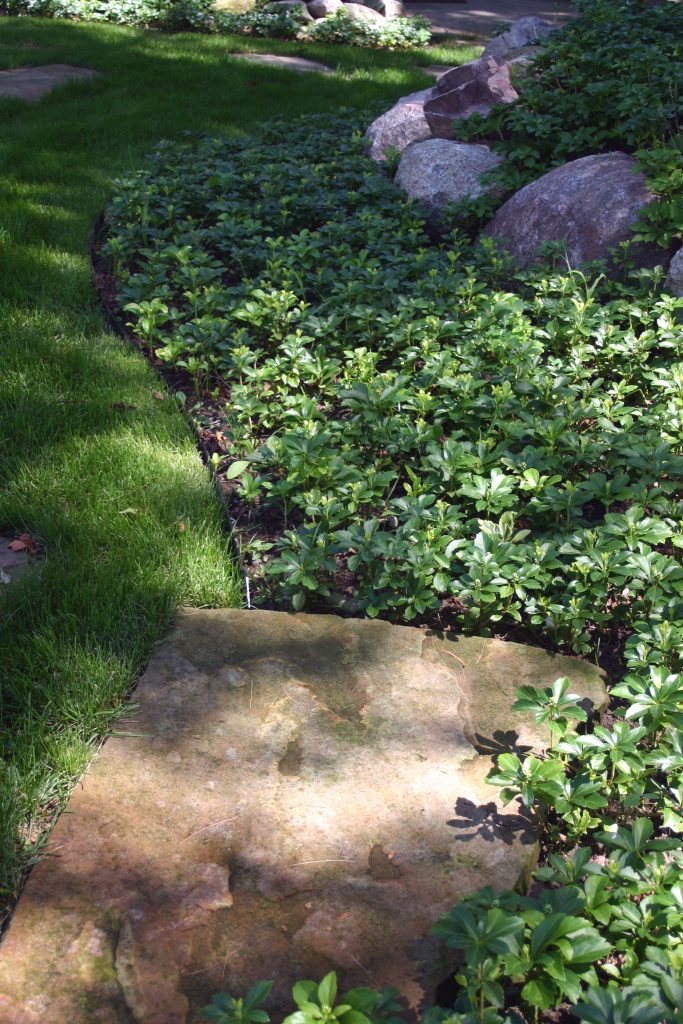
{"type": "Point", "coordinates": [438, 171]}
{"type": "Point", "coordinates": [404, 123]}
{"type": "Point", "coordinates": [589, 206]}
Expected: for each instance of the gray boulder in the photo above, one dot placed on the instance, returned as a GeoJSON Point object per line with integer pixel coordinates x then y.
{"type": "Point", "coordinates": [437, 171]}
{"type": "Point", "coordinates": [403, 124]}
{"type": "Point", "coordinates": [357, 12]}
{"type": "Point", "coordinates": [521, 33]}
{"type": "Point", "coordinates": [473, 88]}
{"type": "Point", "coordinates": [323, 8]}
{"type": "Point", "coordinates": [674, 279]}
{"type": "Point", "coordinates": [297, 5]}
{"type": "Point", "coordinates": [589, 205]}
{"type": "Point", "coordinates": [393, 9]}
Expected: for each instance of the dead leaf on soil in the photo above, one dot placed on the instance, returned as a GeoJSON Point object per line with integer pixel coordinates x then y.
{"type": "Point", "coordinates": [24, 542]}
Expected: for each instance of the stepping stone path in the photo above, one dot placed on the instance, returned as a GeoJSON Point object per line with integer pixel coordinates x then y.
{"type": "Point", "coordinates": [292, 794]}
{"type": "Point", "coordinates": [31, 84]}
{"type": "Point", "coordinates": [280, 61]}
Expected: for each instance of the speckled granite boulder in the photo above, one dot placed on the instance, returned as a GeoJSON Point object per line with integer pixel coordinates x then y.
{"type": "Point", "coordinates": [358, 12]}
{"type": "Point", "coordinates": [291, 794]}
{"type": "Point", "coordinates": [437, 172]}
{"type": "Point", "coordinates": [588, 205]}
{"type": "Point", "coordinates": [522, 33]}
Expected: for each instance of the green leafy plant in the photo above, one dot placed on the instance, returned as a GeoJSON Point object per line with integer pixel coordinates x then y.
{"type": "Point", "coordinates": [247, 1010]}
{"type": "Point", "coordinates": [394, 34]}
{"type": "Point", "coordinates": [267, 19]}
{"type": "Point", "coordinates": [317, 1003]}
{"type": "Point", "coordinates": [553, 705]}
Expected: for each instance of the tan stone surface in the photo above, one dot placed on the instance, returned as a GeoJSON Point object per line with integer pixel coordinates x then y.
{"type": "Point", "coordinates": [31, 84]}
{"type": "Point", "coordinates": [293, 794]}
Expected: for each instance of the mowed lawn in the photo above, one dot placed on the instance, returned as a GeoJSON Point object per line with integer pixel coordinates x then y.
{"type": "Point", "coordinates": [96, 460]}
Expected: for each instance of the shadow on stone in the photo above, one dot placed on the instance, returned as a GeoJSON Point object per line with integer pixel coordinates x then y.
{"type": "Point", "coordinates": [487, 822]}
{"type": "Point", "coordinates": [501, 742]}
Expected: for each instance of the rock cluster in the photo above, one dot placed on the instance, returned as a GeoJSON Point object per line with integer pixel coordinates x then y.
{"type": "Point", "coordinates": [472, 88]}
{"type": "Point", "coordinates": [587, 206]}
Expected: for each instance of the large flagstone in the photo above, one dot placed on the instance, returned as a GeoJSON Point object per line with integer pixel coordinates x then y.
{"type": "Point", "coordinates": [292, 794]}
{"type": "Point", "coordinates": [31, 84]}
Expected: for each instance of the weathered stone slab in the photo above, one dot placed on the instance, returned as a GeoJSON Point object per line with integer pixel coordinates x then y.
{"type": "Point", "coordinates": [281, 60]}
{"type": "Point", "coordinates": [293, 794]}
{"type": "Point", "coordinates": [31, 84]}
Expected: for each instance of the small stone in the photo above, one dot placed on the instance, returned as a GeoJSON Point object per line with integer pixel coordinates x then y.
{"type": "Point", "coordinates": [13, 564]}
{"type": "Point", "coordinates": [437, 172]}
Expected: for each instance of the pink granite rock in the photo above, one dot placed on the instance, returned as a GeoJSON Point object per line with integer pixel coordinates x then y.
{"type": "Point", "coordinates": [588, 205]}
{"type": "Point", "coordinates": [472, 88]}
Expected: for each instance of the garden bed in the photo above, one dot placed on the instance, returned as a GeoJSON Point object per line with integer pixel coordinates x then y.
{"type": "Point", "coordinates": [405, 421]}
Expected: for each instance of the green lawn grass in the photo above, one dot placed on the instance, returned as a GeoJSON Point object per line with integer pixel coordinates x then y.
{"type": "Point", "coordinates": [93, 463]}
